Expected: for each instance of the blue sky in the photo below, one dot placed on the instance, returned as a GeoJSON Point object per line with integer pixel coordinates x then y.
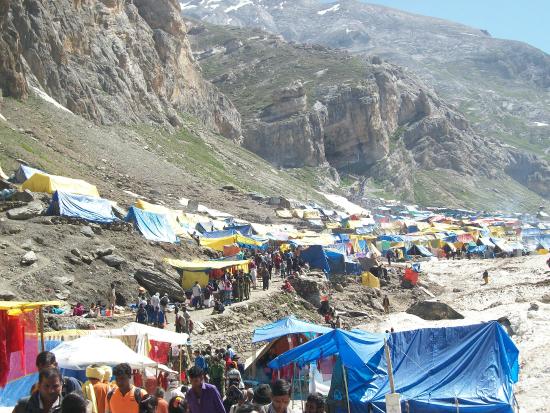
{"type": "Point", "coordinates": [528, 20]}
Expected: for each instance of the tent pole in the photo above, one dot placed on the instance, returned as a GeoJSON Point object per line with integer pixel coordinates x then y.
{"type": "Point", "coordinates": [346, 386]}
{"type": "Point", "coordinates": [390, 368]}
{"type": "Point", "coordinates": [457, 406]}
{"type": "Point", "coordinates": [41, 326]}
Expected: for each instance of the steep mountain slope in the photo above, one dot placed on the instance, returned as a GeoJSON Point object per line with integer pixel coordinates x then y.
{"type": "Point", "coordinates": [310, 105]}
{"type": "Point", "coordinates": [111, 61]}
{"type": "Point", "coordinates": [502, 87]}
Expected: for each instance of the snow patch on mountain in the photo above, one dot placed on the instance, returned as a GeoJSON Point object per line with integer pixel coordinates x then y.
{"type": "Point", "coordinates": [336, 7]}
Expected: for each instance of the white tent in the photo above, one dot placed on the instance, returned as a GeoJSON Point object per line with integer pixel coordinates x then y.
{"type": "Point", "coordinates": [152, 333]}
{"type": "Point", "coordinates": [80, 353]}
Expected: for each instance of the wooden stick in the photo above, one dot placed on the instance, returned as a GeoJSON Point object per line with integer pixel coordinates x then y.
{"type": "Point", "coordinates": [390, 368]}
{"type": "Point", "coordinates": [346, 386]}
{"type": "Point", "coordinates": [41, 327]}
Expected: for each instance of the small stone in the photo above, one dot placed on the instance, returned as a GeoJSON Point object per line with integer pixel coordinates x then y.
{"type": "Point", "coordinates": [87, 231]}
{"type": "Point", "coordinates": [76, 252]}
{"type": "Point", "coordinates": [73, 260]}
{"type": "Point", "coordinates": [7, 296]}
{"type": "Point", "coordinates": [114, 261]}
{"type": "Point", "coordinates": [104, 251]}
{"type": "Point", "coordinates": [87, 259]}
{"type": "Point", "coordinates": [29, 258]}
{"type": "Point", "coordinates": [38, 239]}
{"type": "Point", "coordinates": [339, 288]}
{"type": "Point", "coordinates": [457, 290]}
{"type": "Point", "coordinates": [533, 307]}
{"type": "Point", "coordinates": [27, 245]}
{"type": "Point", "coordinates": [545, 299]}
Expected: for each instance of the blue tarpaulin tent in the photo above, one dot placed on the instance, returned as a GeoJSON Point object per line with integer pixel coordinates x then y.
{"type": "Point", "coordinates": [286, 326]}
{"type": "Point", "coordinates": [154, 227]}
{"type": "Point", "coordinates": [219, 234]}
{"type": "Point", "coordinates": [316, 258]}
{"type": "Point", "coordinates": [25, 172]}
{"type": "Point", "coordinates": [434, 368]}
{"type": "Point", "coordinates": [419, 250]}
{"type": "Point", "coordinates": [85, 207]}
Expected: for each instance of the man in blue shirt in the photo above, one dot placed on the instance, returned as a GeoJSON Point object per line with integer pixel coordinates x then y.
{"type": "Point", "coordinates": [200, 361]}
{"type": "Point", "coordinates": [202, 397]}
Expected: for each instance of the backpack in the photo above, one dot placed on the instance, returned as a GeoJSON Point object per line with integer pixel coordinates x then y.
{"type": "Point", "coordinates": [146, 405]}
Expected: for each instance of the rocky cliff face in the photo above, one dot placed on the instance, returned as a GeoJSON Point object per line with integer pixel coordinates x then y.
{"type": "Point", "coordinates": [501, 86]}
{"type": "Point", "coordinates": [111, 61]}
{"type": "Point", "coordinates": [306, 105]}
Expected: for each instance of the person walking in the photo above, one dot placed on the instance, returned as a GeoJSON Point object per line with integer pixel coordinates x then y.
{"type": "Point", "coordinates": [196, 292]}
{"type": "Point", "coordinates": [386, 304]}
{"type": "Point", "coordinates": [95, 390]}
{"type": "Point", "coordinates": [112, 298]}
{"type": "Point", "coordinates": [485, 277]}
{"type": "Point", "coordinates": [125, 398]}
{"type": "Point", "coordinates": [264, 273]}
{"type": "Point", "coordinates": [202, 397]}
{"type": "Point", "coordinates": [247, 282]}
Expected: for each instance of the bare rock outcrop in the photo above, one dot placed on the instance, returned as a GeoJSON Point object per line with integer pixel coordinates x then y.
{"type": "Point", "coordinates": [111, 61]}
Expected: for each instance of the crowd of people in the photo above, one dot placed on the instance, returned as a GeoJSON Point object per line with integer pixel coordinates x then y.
{"type": "Point", "coordinates": [215, 385]}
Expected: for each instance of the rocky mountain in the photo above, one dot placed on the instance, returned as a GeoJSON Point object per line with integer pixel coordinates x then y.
{"type": "Point", "coordinates": [111, 61]}
{"type": "Point", "coordinates": [501, 86]}
{"type": "Point", "coordinates": [312, 105]}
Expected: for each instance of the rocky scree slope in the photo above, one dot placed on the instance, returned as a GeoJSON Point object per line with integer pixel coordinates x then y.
{"type": "Point", "coordinates": [311, 105]}
{"type": "Point", "coordinates": [502, 86]}
{"type": "Point", "coordinates": [110, 61]}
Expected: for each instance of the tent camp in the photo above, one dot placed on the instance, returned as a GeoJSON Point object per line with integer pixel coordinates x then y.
{"type": "Point", "coordinates": [280, 336]}
{"type": "Point", "coordinates": [330, 260]}
{"type": "Point", "coordinates": [84, 207]}
{"type": "Point", "coordinates": [154, 227]}
{"type": "Point", "coordinates": [40, 182]}
{"type": "Point", "coordinates": [203, 271]}
{"type": "Point", "coordinates": [467, 368]}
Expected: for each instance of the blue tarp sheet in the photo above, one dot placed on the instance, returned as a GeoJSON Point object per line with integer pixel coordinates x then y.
{"type": "Point", "coordinates": [434, 368]}
{"type": "Point", "coordinates": [219, 234]}
{"type": "Point", "coordinates": [285, 326]}
{"type": "Point", "coordinates": [316, 258]}
{"type": "Point", "coordinates": [419, 250]}
{"type": "Point", "coordinates": [89, 208]}
{"type": "Point", "coordinates": [154, 227]}
{"type": "Point", "coordinates": [242, 229]}
{"type": "Point", "coordinates": [25, 172]}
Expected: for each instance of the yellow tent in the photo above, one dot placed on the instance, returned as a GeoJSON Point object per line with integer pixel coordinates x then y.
{"type": "Point", "coordinates": [173, 216]}
{"type": "Point", "coordinates": [18, 307]}
{"type": "Point", "coordinates": [198, 270]}
{"type": "Point", "coordinates": [51, 183]}
{"type": "Point", "coordinates": [218, 243]}
{"type": "Point", "coordinates": [283, 213]}
{"type": "Point", "coordinates": [369, 280]}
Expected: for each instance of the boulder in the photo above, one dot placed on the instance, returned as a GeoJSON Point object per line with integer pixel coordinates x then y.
{"type": "Point", "coordinates": [434, 310]}
{"type": "Point", "coordinates": [29, 258]}
{"type": "Point", "coordinates": [155, 281]}
{"type": "Point", "coordinates": [25, 196]}
{"type": "Point", "coordinates": [533, 307]}
{"type": "Point", "coordinates": [7, 296]}
{"type": "Point", "coordinates": [545, 299]}
{"type": "Point", "coordinates": [115, 261]}
{"type": "Point", "coordinates": [104, 251]}
{"type": "Point", "coordinates": [87, 231]}
{"type": "Point", "coordinates": [32, 209]}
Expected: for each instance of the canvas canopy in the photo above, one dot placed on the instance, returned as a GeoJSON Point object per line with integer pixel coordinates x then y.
{"type": "Point", "coordinates": [286, 326]}
{"type": "Point", "coordinates": [434, 368]}
{"type": "Point", "coordinates": [152, 333]}
{"type": "Point", "coordinates": [18, 307]}
{"type": "Point", "coordinates": [80, 353]}
{"type": "Point", "coordinates": [200, 270]}
{"type": "Point", "coordinates": [85, 207]}
{"type": "Point", "coordinates": [172, 216]}
{"type": "Point", "coordinates": [154, 227]}
{"type": "Point", "coordinates": [40, 182]}
{"type": "Point", "coordinates": [24, 172]}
